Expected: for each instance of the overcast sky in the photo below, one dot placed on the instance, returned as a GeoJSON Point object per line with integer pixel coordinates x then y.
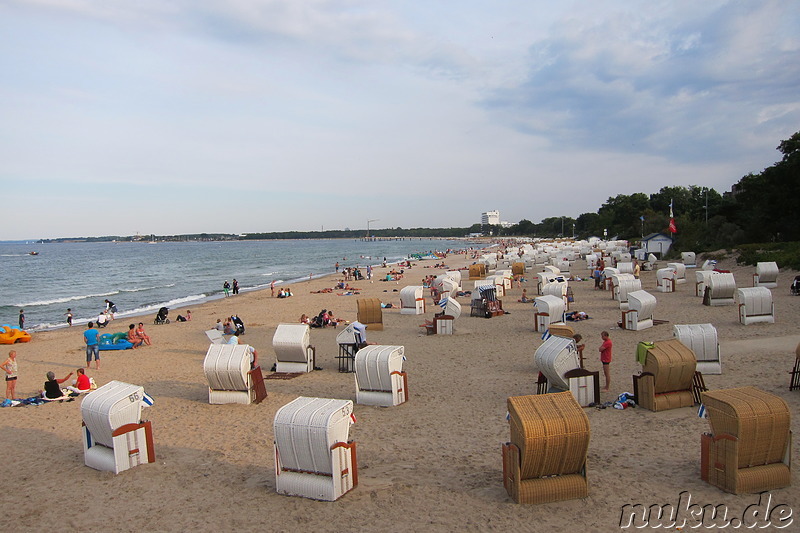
{"type": "Point", "coordinates": [183, 116]}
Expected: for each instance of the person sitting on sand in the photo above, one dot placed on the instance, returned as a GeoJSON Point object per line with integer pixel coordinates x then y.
{"type": "Point", "coordinates": [133, 338]}
{"type": "Point", "coordinates": [219, 326]}
{"type": "Point", "coordinates": [304, 319]}
{"type": "Point", "coordinates": [82, 383]}
{"type": "Point", "coordinates": [142, 335]}
{"type": "Point", "coordinates": [52, 387]}
{"type": "Point", "coordinates": [227, 327]}
{"type": "Point", "coordinates": [525, 298]}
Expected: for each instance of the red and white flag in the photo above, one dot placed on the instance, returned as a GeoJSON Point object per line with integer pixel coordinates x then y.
{"type": "Point", "coordinates": [672, 227]}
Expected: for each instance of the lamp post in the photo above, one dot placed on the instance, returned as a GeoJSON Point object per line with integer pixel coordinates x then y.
{"type": "Point", "coordinates": [706, 195]}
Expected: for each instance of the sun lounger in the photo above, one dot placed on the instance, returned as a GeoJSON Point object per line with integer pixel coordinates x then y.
{"type": "Point", "coordinates": [215, 336]}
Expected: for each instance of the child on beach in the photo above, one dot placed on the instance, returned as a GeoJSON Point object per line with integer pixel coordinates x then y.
{"type": "Point", "coordinates": [69, 316]}
{"type": "Point", "coordinates": [578, 338]}
{"type": "Point", "coordinates": [605, 358]}
{"type": "Point", "coordinates": [21, 319]}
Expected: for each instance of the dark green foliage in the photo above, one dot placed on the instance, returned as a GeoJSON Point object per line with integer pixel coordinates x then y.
{"type": "Point", "coordinates": [786, 254]}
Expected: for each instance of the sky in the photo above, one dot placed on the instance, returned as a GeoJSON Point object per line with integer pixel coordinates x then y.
{"type": "Point", "coordinates": [237, 116]}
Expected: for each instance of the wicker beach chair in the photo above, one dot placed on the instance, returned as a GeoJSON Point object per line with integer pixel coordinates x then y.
{"type": "Point", "coordinates": [702, 340]}
{"type": "Point", "coordinates": [412, 301]}
{"type": "Point", "coordinates": [749, 449]}
{"type": "Point", "coordinates": [477, 271]}
{"type": "Point", "coordinates": [380, 379]}
{"type": "Point", "coordinates": [370, 313]}
{"type": "Point", "coordinates": [755, 305]}
{"type": "Point", "coordinates": [545, 461]}
{"type": "Point", "coordinates": [720, 289]}
{"type": "Point", "coordinates": [114, 436]}
{"type": "Point", "coordinates": [766, 275]}
{"type": "Point", "coordinates": [314, 457]}
{"type": "Point", "coordinates": [293, 350]}
{"type": "Point", "coordinates": [667, 378]}
{"type": "Point", "coordinates": [229, 376]}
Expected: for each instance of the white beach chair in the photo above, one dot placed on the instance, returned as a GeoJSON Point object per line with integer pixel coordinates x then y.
{"type": "Point", "coordinates": [702, 340]}
{"type": "Point", "coordinates": [639, 315]}
{"type": "Point", "coordinates": [380, 379]}
{"type": "Point", "coordinates": [680, 272]}
{"type": "Point", "coordinates": [625, 287]}
{"type": "Point", "coordinates": [114, 436]}
{"type": "Point", "coordinates": [230, 378]}
{"type": "Point", "coordinates": [689, 259]}
{"type": "Point", "coordinates": [702, 281]}
{"type": "Point", "coordinates": [314, 457]}
{"type": "Point", "coordinates": [720, 289]}
{"type": "Point", "coordinates": [412, 301]}
{"type": "Point", "coordinates": [546, 310]}
{"type": "Point", "coordinates": [766, 275]}
{"type": "Point", "coordinates": [293, 350]}
{"type": "Point", "coordinates": [665, 279]}
{"type": "Point", "coordinates": [755, 305]}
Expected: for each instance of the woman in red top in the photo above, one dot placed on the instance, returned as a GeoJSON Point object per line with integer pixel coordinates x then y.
{"type": "Point", "coordinates": [605, 358]}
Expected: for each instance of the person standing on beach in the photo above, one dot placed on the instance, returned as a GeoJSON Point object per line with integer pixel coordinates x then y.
{"type": "Point", "coordinates": [10, 367]}
{"type": "Point", "coordinates": [226, 287]}
{"type": "Point", "coordinates": [92, 348]}
{"type": "Point", "coordinates": [21, 319]}
{"type": "Point", "coordinates": [111, 308]}
{"type": "Point", "coordinates": [69, 316]}
{"type": "Point", "coordinates": [272, 288]}
{"type": "Point", "coordinates": [605, 358]}
{"type": "Point", "coordinates": [337, 267]}
{"type": "Point", "coordinates": [235, 286]}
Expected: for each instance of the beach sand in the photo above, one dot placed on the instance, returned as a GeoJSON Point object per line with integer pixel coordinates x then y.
{"type": "Point", "coordinates": [431, 464]}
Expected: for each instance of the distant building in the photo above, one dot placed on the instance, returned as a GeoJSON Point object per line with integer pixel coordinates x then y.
{"type": "Point", "coordinates": [491, 218]}
{"type": "Point", "coordinates": [655, 243]}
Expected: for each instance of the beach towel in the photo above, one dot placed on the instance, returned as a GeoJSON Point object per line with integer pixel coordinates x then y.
{"type": "Point", "coordinates": [641, 351]}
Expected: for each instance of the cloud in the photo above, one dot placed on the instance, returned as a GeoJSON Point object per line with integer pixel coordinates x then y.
{"type": "Point", "coordinates": [679, 80]}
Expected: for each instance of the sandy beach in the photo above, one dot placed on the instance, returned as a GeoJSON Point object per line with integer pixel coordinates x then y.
{"type": "Point", "coordinates": [431, 464]}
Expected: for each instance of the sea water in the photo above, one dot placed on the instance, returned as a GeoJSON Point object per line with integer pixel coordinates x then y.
{"type": "Point", "coordinates": [141, 277]}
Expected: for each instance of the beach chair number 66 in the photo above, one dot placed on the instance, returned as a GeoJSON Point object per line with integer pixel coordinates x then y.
{"type": "Point", "coordinates": [134, 397]}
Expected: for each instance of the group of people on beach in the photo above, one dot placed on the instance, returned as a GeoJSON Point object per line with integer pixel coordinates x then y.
{"type": "Point", "coordinates": [227, 288]}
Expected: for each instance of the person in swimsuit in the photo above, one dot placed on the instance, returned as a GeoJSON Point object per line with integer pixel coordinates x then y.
{"type": "Point", "coordinates": [10, 367]}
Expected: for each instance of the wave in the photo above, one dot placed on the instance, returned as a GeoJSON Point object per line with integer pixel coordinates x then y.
{"type": "Point", "coordinates": [65, 299]}
{"type": "Point", "coordinates": [140, 289]}
{"type": "Point", "coordinates": [175, 302]}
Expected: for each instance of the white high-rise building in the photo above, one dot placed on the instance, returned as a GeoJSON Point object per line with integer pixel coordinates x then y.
{"type": "Point", "coordinates": [491, 218]}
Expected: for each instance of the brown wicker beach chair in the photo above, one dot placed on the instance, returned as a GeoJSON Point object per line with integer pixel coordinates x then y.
{"type": "Point", "coordinates": [749, 449]}
{"type": "Point", "coordinates": [546, 458]}
{"type": "Point", "coordinates": [477, 271]}
{"type": "Point", "coordinates": [370, 313]}
{"type": "Point", "coordinates": [667, 377]}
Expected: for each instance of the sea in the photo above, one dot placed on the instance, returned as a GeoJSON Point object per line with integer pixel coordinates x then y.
{"type": "Point", "coordinates": [141, 277]}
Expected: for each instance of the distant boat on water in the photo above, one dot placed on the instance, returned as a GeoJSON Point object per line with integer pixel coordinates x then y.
{"type": "Point", "coordinates": [33, 253]}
